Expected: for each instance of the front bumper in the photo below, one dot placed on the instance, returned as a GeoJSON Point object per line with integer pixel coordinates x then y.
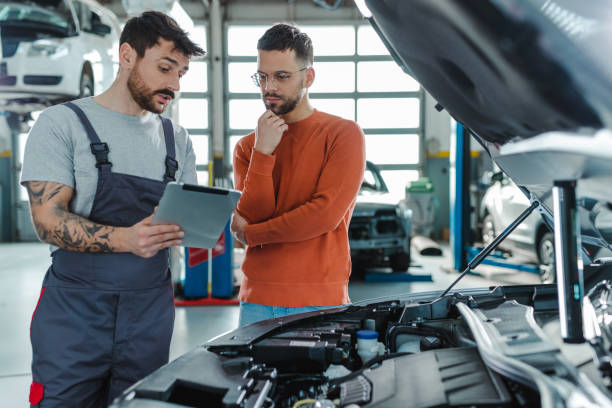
{"type": "Point", "coordinates": [378, 243]}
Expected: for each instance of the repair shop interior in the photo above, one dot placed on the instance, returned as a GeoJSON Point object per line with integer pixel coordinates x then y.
{"type": "Point", "coordinates": [306, 203]}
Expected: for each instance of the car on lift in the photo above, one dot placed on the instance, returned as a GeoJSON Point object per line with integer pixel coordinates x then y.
{"type": "Point", "coordinates": [533, 240]}
{"type": "Point", "coordinates": [53, 51]}
{"type": "Point", "coordinates": [379, 231]}
{"type": "Point", "coordinates": [502, 203]}
{"type": "Point", "coordinates": [532, 81]}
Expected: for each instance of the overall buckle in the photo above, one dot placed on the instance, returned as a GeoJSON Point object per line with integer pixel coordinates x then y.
{"type": "Point", "coordinates": [171, 167]}
{"type": "Point", "coordinates": [100, 150]}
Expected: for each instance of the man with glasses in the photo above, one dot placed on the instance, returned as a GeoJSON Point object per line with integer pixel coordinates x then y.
{"type": "Point", "coordinates": [299, 174]}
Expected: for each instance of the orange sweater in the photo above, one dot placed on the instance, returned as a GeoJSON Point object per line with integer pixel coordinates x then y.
{"type": "Point", "coordinates": [298, 203]}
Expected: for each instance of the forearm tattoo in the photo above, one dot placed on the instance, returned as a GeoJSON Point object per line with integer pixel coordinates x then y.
{"type": "Point", "coordinates": [58, 226]}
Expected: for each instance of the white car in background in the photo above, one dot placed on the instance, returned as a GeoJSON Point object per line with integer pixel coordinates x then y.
{"type": "Point", "coordinates": [503, 203]}
{"type": "Point", "coordinates": [532, 241]}
{"type": "Point", "coordinates": [54, 50]}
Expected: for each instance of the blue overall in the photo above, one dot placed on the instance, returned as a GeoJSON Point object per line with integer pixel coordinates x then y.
{"type": "Point", "coordinates": [104, 320]}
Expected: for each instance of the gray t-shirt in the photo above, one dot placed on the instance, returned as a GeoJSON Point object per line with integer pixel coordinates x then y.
{"type": "Point", "coordinates": [58, 149]}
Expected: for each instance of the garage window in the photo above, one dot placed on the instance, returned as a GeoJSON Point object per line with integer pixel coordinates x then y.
{"type": "Point", "coordinates": [194, 104]}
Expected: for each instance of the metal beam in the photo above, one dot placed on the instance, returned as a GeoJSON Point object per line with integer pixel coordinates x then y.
{"type": "Point", "coordinates": [568, 263]}
{"type": "Point", "coordinates": [217, 94]}
{"type": "Point", "coordinates": [459, 196]}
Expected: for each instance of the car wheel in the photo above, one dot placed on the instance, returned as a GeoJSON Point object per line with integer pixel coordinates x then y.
{"type": "Point", "coordinates": [548, 273]}
{"type": "Point", "coordinates": [546, 256]}
{"type": "Point", "coordinates": [488, 230]}
{"type": "Point", "coordinates": [86, 85]}
{"type": "Point", "coordinates": [546, 249]}
{"type": "Point", "coordinates": [400, 261]}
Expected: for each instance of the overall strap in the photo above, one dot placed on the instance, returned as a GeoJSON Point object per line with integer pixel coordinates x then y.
{"type": "Point", "coordinates": [98, 148]}
{"type": "Point", "coordinates": [171, 163]}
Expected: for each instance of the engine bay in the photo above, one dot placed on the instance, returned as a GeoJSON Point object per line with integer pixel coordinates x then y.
{"type": "Point", "coordinates": [478, 348]}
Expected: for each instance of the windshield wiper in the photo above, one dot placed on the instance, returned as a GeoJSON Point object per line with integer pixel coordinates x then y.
{"type": "Point", "coordinates": [369, 186]}
{"type": "Point", "coordinates": [487, 250]}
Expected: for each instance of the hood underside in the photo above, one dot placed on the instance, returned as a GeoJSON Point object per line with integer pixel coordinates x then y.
{"type": "Point", "coordinates": [531, 80]}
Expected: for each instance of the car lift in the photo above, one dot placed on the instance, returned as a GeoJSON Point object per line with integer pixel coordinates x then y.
{"type": "Point", "coordinates": [461, 243]}
{"type": "Point", "coordinates": [13, 124]}
{"type": "Point", "coordinates": [6, 182]}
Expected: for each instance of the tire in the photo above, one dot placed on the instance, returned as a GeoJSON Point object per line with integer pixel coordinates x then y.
{"type": "Point", "coordinates": [86, 85]}
{"type": "Point", "coordinates": [548, 273]}
{"type": "Point", "coordinates": [358, 272]}
{"type": "Point", "coordinates": [546, 249]}
{"type": "Point", "coordinates": [400, 262]}
{"type": "Point", "coordinates": [546, 257]}
{"type": "Point", "coordinates": [488, 230]}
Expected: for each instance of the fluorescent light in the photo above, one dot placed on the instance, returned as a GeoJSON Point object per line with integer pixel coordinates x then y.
{"type": "Point", "coordinates": [136, 7]}
{"type": "Point", "coordinates": [170, 7]}
{"type": "Point", "coordinates": [178, 13]}
{"type": "Point", "coordinates": [365, 11]}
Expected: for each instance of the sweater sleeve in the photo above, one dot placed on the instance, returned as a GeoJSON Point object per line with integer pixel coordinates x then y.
{"type": "Point", "coordinates": [253, 177]}
{"type": "Point", "coordinates": [336, 190]}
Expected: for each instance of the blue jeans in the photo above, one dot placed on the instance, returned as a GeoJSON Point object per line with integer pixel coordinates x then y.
{"type": "Point", "coordinates": [251, 312]}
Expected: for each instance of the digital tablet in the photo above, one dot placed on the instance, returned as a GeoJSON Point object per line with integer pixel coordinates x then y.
{"type": "Point", "coordinates": [201, 212]}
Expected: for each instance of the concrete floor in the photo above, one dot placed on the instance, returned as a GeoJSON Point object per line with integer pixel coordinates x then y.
{"type": "Point", "coordinates": [23, 265]}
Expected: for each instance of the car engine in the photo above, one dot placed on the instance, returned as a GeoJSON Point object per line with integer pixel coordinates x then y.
{"type": "Point", "coordinates": [477, 348]}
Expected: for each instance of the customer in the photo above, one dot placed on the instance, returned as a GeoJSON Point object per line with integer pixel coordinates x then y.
{"type": "Point", "coordinates": [299, 174]}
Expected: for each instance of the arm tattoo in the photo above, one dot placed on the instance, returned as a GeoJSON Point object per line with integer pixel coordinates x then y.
{"type": "Point", "coordinates": [56, 225]}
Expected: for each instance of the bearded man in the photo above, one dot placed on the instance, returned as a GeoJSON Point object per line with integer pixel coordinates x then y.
{"type": "Point", "coordinates": [95, 169]}
{"type": "Point", "coordinates": [299, 174]}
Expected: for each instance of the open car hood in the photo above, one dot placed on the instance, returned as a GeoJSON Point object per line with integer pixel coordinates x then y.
{"type": "Point", "coordinates": [531, 80]}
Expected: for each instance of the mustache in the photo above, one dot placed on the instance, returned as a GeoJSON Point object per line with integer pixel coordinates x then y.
{"type": "Point", "coordinates": [271, 95]}
{"type": "Point", "coordinates": [165, 92]}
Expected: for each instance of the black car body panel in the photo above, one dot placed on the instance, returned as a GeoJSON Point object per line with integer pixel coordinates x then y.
{"type": "Point", "coordinates": [506, 68]}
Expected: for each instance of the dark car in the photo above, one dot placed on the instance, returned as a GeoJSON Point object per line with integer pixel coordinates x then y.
{"type": "Point", "coordinates": [532, 81]}
{"type": "Point", "coordinates": [379, 232]}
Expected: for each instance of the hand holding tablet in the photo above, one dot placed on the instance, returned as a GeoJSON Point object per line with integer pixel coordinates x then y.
{"type": "Point", "coordinates": [201, 212]}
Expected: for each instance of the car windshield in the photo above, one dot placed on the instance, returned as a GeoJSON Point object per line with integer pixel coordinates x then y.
{"type": "Point", "coordinates": [372, 180]}
{"type": "Point", "coordinates": [51, 14]}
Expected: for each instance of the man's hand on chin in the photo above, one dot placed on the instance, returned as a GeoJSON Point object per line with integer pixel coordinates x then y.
{"type": "Point", "coordinates": [237, 227]}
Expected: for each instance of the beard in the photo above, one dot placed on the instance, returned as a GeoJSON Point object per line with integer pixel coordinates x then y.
{"type": "Point", "coordinates": [286, 105]}
{"type": "Point", "coordinates": [145, 96]}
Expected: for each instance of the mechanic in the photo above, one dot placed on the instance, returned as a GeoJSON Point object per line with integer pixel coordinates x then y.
{"type": "Point", "coordinates": [94, 170]}
{"type": "Point", "coordinates": [299, 174]}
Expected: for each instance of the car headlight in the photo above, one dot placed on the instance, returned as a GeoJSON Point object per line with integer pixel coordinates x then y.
{"type": "Point", "coordinates": [47, 48]}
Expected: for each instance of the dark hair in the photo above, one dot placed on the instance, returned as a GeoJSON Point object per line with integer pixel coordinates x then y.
{"type": "Point", "coordinates": [143, 32]}
{"type": "Point", "coordinates": [281, 37]}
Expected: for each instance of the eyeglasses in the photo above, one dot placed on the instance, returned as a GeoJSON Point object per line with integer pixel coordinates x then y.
{"type": "Point", "coordinates": [279, 77]}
